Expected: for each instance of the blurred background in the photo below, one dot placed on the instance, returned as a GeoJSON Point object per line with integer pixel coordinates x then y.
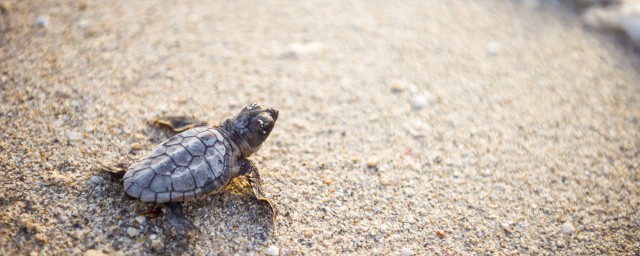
{"type": "Point", "coordinates": [405, 127]}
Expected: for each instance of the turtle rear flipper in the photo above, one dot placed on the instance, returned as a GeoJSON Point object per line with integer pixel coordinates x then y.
{"type": "Point", "coordinates": [175, 221]}
{"type": "Point", "coordinates": [178, 123]}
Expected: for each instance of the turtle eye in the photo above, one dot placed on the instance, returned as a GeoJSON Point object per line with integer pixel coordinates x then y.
{"type": "Point", "coordinates": [265, 126]}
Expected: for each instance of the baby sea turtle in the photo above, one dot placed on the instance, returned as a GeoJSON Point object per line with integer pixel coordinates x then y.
{"type": "Point", "coordinates": [200, 161]}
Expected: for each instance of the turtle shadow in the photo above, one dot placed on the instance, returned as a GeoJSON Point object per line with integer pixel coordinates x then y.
{"type": "Point", "coordinates": [232, 217]}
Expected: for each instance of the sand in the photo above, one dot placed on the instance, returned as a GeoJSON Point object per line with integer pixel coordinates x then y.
{"type": "Point", "coordinates": [413, 127]}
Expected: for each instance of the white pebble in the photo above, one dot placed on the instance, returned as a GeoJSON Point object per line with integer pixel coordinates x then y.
{"type": "Point", "coordinates": [406, 251]}
{"type": "Point", "coordinates": [273, 250]}
{"type": "Point", "coordinates": [97, 180]}
{"type": "Point", "coordinates": [410, 219]}
{"type": "Point", "coordinates": [73, 135]}
{"type": "Point", "coordinates": [421, 100]}
{"type": "Point", "coordinates": [140, 219]}
{"type": "Point", "coordinates": [568, 228]}
{"type": "Point", "coordinates": [306, 48]}
{"type": "Point", "coordinates": [418, 102]}
{"type": "Point", "coordinates": [133, 231]}
{"type": "Point", "coordinates": [84, 23]}
{"type": "Point", "coordinates": [42, 21]}
{"type": "Point", "coordinates": [492, 159]}
{"type": "Point", "coordinates": [493, 48]}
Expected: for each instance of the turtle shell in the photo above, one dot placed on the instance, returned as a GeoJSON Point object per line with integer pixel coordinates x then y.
{"type": "Point", "coordinates": [189, 165]}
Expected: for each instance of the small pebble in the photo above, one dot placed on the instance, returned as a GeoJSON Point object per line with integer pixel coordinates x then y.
{"type": "Point", "coordinates": [568, 228]}
{"type": "Point", "coordinates": [397, 87]}
{"type": "Point", "coordinates": [41, 237]}
{"type": "Point", "coordinates": [406, 251]}
{"type": "Point", "coordinates": [418, 102]}
{"type": "Point", "coordinates": [308, 233]}
{"type": "Point", "coordinates": [417, 128]}
{"type": "Point", "coordinates": [421, 100]}
{"type": "Point", "coordinates": [140, 219]}
{"type": "Point", "coordinates": [306, 48]}
{"type": "Point", "coordinates": [133, 231]}
{"type": "Point", "coordinates": [157, 244]}
{"type": "Point", "coordinates": [4, 7]}
{"type": "Point", "coordinates": [84, 23]}
{"type": "Point", "coordinates": [42, 21]}
{"type": "Point", "coordinates": [97, 180]}
{"type": "Point", "coordinates": [73, 135]}
{"type": "Point", "coordinates": [93, 252]}
{"type": "Point", "coordinates": [492, 159]}
{"type": "Point", "coordinates": [410, 219]}
{"type": "Point", "coordinates": [373, 163]}
{"type": "Point", "coordinates": [136, 146]}
{"type": "Point", "coordinates": [273, 250]}
{"type": "Point", "coordinates": [493, 48]}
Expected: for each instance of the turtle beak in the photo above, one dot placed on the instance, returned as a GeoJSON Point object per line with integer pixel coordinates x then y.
{"type": "Point", "coordinates": [274, 113]}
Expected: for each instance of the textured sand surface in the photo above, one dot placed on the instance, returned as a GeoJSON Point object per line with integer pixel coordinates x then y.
{"type": "Point", "coordinates": [424, 127]}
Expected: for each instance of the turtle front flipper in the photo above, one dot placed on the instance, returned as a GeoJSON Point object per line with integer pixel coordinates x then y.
{"type": "Point", "coordinates": [175, 221]}
{"type": "Point", "coordinates": [253, 176]}
{"type": "Point", "coordinates": [178, 123]}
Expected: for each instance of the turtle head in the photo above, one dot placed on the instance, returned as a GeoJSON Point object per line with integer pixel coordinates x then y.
{"type": "Point", "coordinates": [253, 125]}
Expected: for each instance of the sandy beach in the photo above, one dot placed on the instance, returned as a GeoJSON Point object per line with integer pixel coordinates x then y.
{"type": "Point", "coordinates": [405, 128]}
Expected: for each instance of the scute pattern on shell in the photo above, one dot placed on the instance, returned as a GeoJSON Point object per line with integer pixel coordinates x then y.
{"type": "Point", "coordinates": [189, 165]}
